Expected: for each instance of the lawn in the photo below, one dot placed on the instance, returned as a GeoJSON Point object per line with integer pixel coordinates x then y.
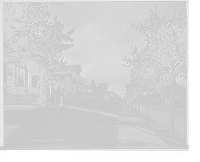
{"type": "Point", "coordinates": [58, 127]}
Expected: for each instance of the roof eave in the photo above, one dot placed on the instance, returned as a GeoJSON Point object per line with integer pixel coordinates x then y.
{"type": "Point", "coordinates": [73, 72]}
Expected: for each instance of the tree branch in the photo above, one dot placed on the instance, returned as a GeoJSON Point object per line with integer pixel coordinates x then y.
{"type": "Point", "coordinates": [164, 69]}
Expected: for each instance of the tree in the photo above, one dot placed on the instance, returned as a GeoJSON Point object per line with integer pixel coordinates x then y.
{"type": "Point", "coordinates": [46, 51]}
{"type": "Point", "coordinates": [32, 41]}
{"type": "Point", "coordinates": [128, 97]}
{"type": "Point", "coordinates": [92, 87]}
{"type": "Point", "coordinates": [144, 72]}
{"type": "Point", "coordinates": [20, 22]}
{"type": "Point", "coordinates": [102, 90]}
{"type": "Point", "coordinates": [116, 97]}
{"type": "Point", "coordinates": [163, 59]}
{"type": "Point", "coordinates": [155, 98]}
{"type": "Point", "coordinates": [133, 91]}
{"type": "Point", "coordinates": [179, 94]}
{"type": "Point", "coordinates": [97, 91]}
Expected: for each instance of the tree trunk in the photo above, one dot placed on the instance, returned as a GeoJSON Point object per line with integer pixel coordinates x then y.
{"type": "Point", "coordinates": [42, 93]}
{"type": "Point", "coordinates": [139, 110]}
{"type": "Point", "coordinates": [147, 104]}
{"type": "Point", "coordinates": [133, 103]}
{"type": "Point", "coordinates": [172, 122]}
{"type": "Point", "coordinates": [136, 104]}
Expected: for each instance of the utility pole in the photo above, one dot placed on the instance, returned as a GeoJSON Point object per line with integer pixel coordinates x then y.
{"type": "Point", "coordinates": [156, 8]}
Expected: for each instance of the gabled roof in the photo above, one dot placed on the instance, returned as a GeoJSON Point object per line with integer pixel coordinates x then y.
{"type": "Point", "coordinates": [70, 72]}
{"type": "Point", "coordinates": [78, 76]}
{"type": "Point", "coordinates": [63, 69]}
{"type": "Point", "coordinates": [74, 67]}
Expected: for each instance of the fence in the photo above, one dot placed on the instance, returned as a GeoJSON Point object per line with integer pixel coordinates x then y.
{"type": "Point", "coordinates": [20, 100]}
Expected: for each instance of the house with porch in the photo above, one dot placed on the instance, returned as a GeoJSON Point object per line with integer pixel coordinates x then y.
{"type": "Point", "coordinates": [72, 81]}
{"type": "Point", "coordinates": [21, 86]}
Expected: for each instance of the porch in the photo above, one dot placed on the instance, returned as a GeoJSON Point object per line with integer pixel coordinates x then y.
{"type": "Point", "coordinates": [54, 94]}
{"type": "Point", "coordinates": [20, 85]}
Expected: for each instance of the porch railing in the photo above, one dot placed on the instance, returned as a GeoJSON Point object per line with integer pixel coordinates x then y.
{"type": "Point", "coordinates": [14, 90]}
{"type": "Point", "coordinates": [21, 96]}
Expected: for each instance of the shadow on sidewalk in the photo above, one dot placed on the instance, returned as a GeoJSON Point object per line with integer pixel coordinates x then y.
{"type": "Point", "coordinates": [162, 131]}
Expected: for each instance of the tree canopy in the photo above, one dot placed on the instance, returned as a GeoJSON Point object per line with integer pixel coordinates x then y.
{"type": "Point", "coordinates": [98, 91]}
{"type": "Point", "coordinates": [163, 59]}
{"type": "Point", "coordinates": [32, 41]}
{"type": "Point", "coordinates": [30, 32]}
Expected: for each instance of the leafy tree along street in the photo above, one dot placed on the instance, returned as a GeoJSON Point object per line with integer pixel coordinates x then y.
{"type": "Point", "coordinates": [31, 40]}
{"type": "Point", "coordinates": [164, 58]}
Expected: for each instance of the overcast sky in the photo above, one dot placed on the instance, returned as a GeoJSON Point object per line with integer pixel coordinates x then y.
{"type": "Point", "coordinates": [104, 36]}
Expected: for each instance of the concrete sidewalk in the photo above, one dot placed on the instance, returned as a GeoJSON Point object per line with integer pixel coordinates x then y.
{"type": "Point", "coordinates": [135, 132]}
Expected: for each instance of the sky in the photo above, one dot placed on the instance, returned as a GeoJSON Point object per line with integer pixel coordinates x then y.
{"type": "Point", "coordinates": [104, 36]}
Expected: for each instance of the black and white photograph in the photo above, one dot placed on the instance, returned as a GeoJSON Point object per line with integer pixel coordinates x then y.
{"type": "Point", "coordinates": [101, 75]}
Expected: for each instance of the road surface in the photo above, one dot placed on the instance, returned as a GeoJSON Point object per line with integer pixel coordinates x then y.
{"type": "Point", "coordinates": [59, 126]}
{"type": "Point", "coordinates": [161, 115]}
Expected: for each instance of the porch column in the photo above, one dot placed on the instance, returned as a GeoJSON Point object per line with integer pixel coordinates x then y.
{"type": "Point", "coordinates": [26, 85]}
{"type": "Point", "coordinates": [26, 77]}
{"type": "Point", "coordinates": [5, 74]}
{"type": "Point", "coordinates": [50, 86]}
{"type": "Point", "coordinates": [16, 75]}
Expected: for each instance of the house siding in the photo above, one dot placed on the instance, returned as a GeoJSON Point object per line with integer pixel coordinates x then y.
{"type": "Point", "coordinates": [66, 81]}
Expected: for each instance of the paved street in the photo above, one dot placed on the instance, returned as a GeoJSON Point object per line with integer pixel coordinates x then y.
{"type": "Point", "coordinates": [59, 127]}
{"type": "Point", "coordinates": [80, 128]}
{"type": "Point", "coordinates": [161, 115]}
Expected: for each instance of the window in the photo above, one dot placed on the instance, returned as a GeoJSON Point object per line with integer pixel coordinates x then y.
{"type": "Point", "coordinates": [21, 81]}
{"type": "Point", "coordinates": [63, 89]}
{"type": "Point", "coordinates": [36, 82]}
{"type": "Point", "coordinates": [10, 75]}
{"type": "Point", "coordinates": [29, 79]}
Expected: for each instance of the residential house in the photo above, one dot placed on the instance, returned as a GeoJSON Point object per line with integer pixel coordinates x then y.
{"type": "Point", "coordinates": [21, 85]}
{"type": "Point", "coordinates": [69, 76]}
{"type": "Point", "coordinates": [24, 81]}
